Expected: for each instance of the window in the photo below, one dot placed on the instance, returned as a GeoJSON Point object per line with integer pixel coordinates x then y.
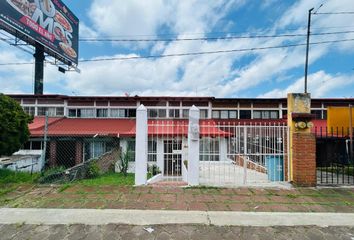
{"type": "Point", "coordinates": [94, 149]}
{"type": "Point", "coordinates": [245, 114]}
{"type": "Point", "coordinates": [131, 149]}
{"type": "Point", "coordinates": [274, 114]}
{"type": "Point", "coordinates": [36, 145]}
{"type": "Point", "coordinates": [29, 110]}
{"type": "Point", "coordinates": [233, 114]}
{"type": "Point", "coordinates": [102, 113]}
{"type": "Point", "coordinates": [51, 111]}
{"type": "Point", "coordinates": [174, 113]}
{"type": "Point", "coordinates": [152, 150]}
{"type": "Point", "coordinates": [224, 114]}
{"type": "Point", "coordinates": [131, 113]}
{"type": "Point", "coordinates": [257, 115]}
{"type": "Point", "coordinates": [72, 112]}
{"type": "Point", "coordinates": [185, 113]}
{"type": "Point", "coordinates": [324, 114]}
{"type": "Point", "coordinates": [317, 113]}
{"type": "Point", "coordinates": [33, 145]}
{"type": "Point", "coordinates": [86, 113]}
{"type": "Point", "coordinates": [216, 114]}
{"type": "Point", "coordinates": [265, 114]}
{"type": "Point", "coordinates": [157, 113]}
{"type": "Point", "coordinates": [42, 111]}
{"type": "Point", "coordinates": [118, 113]}
{"type": "Point", "coordinates": [60, 111]}
{"type": "Point", "coordinates": [209, 149]}
{"type": "Point", "coordinates": [203, 113]}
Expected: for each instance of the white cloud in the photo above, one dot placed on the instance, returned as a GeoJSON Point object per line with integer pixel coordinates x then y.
{"type": "Point", "coordinates": [320, 84]}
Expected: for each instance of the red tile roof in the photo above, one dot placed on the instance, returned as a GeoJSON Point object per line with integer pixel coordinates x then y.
{"type": "Point", "coordinates": [118, 127]}
{"type": "Point", "coordinates": [86, 127]}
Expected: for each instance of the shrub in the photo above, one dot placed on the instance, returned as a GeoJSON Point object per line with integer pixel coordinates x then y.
{"type": "Point", "coordinates": [124, 162]}
{"type": "Point", "coordinates": [52, 174]}
{"type": "Point", "coordinates": [93, 170]}
{"type": "Point", "coordinates": [154, 170]}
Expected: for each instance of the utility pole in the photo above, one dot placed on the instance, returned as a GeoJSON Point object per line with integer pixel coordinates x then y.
{"type": "Point", "coordinates": [39, 69]}
{"type": "Point", "coordinates": [308, 47]}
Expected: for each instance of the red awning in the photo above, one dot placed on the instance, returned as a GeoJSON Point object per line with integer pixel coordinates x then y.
{"type": "Point", "coordinates": [86, 127]}
{"type": "Point", "coordinates": [119, 127]}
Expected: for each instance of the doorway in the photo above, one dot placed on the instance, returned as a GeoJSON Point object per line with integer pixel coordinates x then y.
{"type": "Point", "coordinates": [173, 157]}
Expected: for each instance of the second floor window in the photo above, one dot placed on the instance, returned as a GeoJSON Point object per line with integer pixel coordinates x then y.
{"type": "Point", "coordinates": [156, 113]}
{"type": "Point", "coordinates": [51, 111]}
{"type": "Point", "coordinates": [29, 110]}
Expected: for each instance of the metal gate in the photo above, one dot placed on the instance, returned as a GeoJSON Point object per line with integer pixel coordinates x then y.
{"type": "Point", "coordinates": [334, 160]}
{"type": "Point", "coordinates": [236, 155]}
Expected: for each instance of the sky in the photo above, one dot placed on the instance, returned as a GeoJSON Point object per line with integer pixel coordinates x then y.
{"type": "Point", "coordinates": [261, 73]}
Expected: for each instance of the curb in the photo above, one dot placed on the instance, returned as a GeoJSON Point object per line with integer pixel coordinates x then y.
{"type": "Point", "coordinates": [150, 217]}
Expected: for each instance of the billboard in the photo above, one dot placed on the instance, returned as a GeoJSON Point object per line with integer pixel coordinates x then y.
{"type": "Point", "coordinates": [48, 22]}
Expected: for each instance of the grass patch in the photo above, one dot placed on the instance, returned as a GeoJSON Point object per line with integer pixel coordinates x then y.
{"type": "Point", "coordinates": [10, 177]}
{"type": "Point", "coordinates": [64, 187]}
{"type": "Point", "coordinates": [113, 179]}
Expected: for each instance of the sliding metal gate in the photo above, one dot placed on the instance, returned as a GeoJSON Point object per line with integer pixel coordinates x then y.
{"type": "Point", "coordinates": [236, 155]}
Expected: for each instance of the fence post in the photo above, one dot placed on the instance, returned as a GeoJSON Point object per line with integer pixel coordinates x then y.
{"type": "Point", "coordinates": [141, 142]}
{"type": "Point", "coordinates": [193, 146]}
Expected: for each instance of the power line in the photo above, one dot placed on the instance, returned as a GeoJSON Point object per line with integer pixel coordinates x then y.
{"type": "Point", "coordinates": [208, 38]}
{"type": "Point", "coordinates": [333, 13]}
{"type": "Point", "coordinates": [196, 53]}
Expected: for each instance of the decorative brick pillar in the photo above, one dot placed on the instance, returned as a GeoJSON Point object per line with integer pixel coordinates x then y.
{"type": "Point", "coordinates": [78, 154]}
{"type": "Point", "coordinates": [53, 154]}
{"type": "Point", "coordinates": [304, 159]}
{"type": "Point", "coordinates": [302, 167]}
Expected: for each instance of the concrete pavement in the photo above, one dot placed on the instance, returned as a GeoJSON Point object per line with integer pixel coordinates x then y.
{"type": "Point", "coordinates": [152, 217]}
{"type": "Point", "coordinates": [175, 232]}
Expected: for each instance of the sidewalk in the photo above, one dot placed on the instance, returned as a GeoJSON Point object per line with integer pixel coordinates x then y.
{"type": "Point", "coordinates": [187, 199]}
{"type": "Point", "coordinates": [159, 217]}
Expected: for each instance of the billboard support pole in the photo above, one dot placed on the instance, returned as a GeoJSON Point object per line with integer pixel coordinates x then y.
{"type": "Point", "coordinates": [39, 69]}
{"type": "Point", "coordinates": [351, 131]}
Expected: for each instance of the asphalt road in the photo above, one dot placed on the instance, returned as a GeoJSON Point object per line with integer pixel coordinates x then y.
{"type": "Point", "coordinates": [183, 232]}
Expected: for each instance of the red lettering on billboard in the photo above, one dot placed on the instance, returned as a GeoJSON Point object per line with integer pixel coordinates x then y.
{"type": "Point", "coordinates": [40, 30]}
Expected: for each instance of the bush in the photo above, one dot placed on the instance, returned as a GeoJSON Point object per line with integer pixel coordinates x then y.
{"type": "Point", "coordinates": [154, 170]}
{"type": "Point", "coordinates": [52, 174]}
{"type": "Point", "coordinates": [93, 170]}
{"type": "Point", "coordinates": [124, 162]}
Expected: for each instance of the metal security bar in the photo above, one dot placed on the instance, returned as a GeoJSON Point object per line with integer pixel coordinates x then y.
{"type": "Point", "coordinates": [232, 154]}
{"type": "Point", "coordinates": [167, 150]}
{"type": "Point", "coordinates": [334, 159]}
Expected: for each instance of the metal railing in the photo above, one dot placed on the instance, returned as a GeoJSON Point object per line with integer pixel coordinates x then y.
{"type": "Point", "coordinates": [334, 159]}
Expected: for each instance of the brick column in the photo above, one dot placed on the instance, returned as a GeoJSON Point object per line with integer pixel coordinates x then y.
{"type": "Point", "coordinates": [78, 154]}
{"type": "Point", "coordinates": [53, 154]}
{"type": "Point", "coordinates": [304, 159]}
{"type": "Point", "coordinates": [302, 142]}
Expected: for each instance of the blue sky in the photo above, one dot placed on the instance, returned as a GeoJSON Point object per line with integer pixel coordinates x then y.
{"type": "Point", "coordinates": [269, 73]}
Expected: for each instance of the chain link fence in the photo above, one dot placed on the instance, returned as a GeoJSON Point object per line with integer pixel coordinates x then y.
{"type": "Point", "coordinates": [68, 154]}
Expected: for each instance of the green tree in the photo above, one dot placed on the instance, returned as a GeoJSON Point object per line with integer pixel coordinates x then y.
{"type": "Point", "coordinates": [13, 126]}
